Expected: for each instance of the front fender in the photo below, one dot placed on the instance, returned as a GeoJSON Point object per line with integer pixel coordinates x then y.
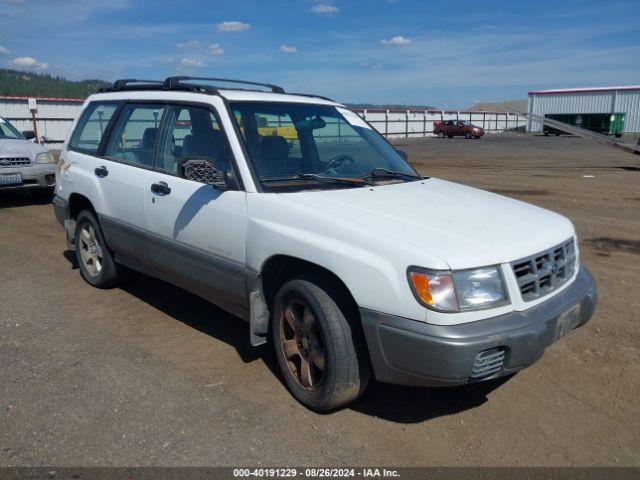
{"type": "Point", "coordinates": [372, 268]}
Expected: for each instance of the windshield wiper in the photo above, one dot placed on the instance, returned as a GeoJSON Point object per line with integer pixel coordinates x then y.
{"type": "Point", "coordinates": [384, 173]}
{"type": "Point", "coordinates": [317, 177]}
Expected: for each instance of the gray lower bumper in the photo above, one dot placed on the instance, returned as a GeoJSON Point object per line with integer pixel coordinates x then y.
{"type": "Point", "coordinates": [38, 175]}
{"type": "Point", "coordinates": [61, 209]}
{"type": "Point", "coordinates": [409, 352]}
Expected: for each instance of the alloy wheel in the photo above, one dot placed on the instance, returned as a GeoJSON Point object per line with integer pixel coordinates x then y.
{"type": "Point", "coordinates": [90, 250]}
{"type": "Point", "coordinates": [302, 344]}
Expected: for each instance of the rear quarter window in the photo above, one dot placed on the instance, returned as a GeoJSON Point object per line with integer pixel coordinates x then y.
{"type": "Point", "coordinates": [91, 127]}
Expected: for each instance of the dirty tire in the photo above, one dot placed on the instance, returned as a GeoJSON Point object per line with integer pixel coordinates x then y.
{"type": "Point", "coordinates": [440, 134]}
{"type": "Point", "coordinates": [346, 366]}
{"type": "Point", "coordinates": [106, 276]}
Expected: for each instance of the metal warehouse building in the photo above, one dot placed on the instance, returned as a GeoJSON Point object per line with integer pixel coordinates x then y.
{"type": "Point", "coordinates": [623, 103]}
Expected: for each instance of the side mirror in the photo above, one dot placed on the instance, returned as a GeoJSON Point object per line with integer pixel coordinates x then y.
{"type": "Point", "coordinates": [203, 171]}
{"type": "Point", "coordinates": [29, 134]}
{"type": "Point", "coordinates": [403, 154]}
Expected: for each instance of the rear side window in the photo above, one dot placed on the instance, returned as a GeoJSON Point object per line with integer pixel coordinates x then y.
{"type": "Point", "coordinates": [192, 132]}
{"type": "Point", "coordinates": [134, 135]}
{"type": "Point", "coordinates": [91, 126]}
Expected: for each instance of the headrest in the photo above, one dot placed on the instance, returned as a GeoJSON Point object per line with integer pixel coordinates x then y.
{"type": "Point", "coordinates": [274, 146]}
{"type": "Point", "coordinates": [149, 138]}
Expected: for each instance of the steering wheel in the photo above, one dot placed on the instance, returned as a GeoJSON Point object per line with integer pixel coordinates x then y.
{"type": "Point", "coordinates": [337, 162]}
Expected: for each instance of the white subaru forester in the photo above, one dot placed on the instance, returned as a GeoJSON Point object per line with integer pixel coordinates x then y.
{"type": "Point", "coordinates": [292, 213]}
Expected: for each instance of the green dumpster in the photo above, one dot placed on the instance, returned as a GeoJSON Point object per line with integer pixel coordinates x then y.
{"type": "Point", "coordinates": [616, 126]}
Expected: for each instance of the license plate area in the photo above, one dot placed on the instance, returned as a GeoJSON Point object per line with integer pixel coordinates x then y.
{"type": "Point", "coordinates": [567, 321]}
{"type": "Point", "coordinates": [10, 179]}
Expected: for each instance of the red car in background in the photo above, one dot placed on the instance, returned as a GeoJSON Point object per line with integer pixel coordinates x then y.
{"type": "Point", "coordinates": [452, 128]}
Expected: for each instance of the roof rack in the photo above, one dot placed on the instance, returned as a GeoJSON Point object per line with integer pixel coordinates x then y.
{"type": "Point", "coordinates": [132, 84]}
{"type": "Point", "coordinates": [180, 83]}
{"type": "Point", "coordinates": [176, 83]}
{"type": "Point", "coordinates": [313, 95]}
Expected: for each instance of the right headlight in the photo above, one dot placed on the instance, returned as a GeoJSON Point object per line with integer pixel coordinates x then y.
{"type": "Point", "coordinates": [458, 290]}
{"type": "Point", "coordinates": [45, 157]}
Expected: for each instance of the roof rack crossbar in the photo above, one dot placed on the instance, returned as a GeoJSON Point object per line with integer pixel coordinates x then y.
{"type": "Point", "coordinates": [131, 84]}
{"type": "Point", "coordinates": [172, 83]}
{"type": "Point", "coordinates": [125, 82]}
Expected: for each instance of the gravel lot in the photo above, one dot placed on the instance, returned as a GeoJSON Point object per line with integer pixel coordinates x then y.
{"type": "Point", "coordinates": [147, 374]}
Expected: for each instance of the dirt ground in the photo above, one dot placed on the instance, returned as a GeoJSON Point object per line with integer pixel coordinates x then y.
{"type": "Point", "coordinates": [147, 374]}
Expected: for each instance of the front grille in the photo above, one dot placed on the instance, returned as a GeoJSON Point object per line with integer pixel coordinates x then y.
{"type": "Point", "coordinates": [487, 363]}
{"type": "Point", "coordinates": [14, 162]}
{"type": "Point", "coordinates": [542, 273]}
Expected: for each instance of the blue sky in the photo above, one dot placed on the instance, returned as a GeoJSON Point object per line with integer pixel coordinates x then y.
{"type": "Point", "coordinates": [444, 53]}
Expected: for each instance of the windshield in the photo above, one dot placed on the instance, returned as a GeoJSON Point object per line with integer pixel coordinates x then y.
{"type": "Point", "coordinates": [297, 145]}
{"type": "Point", "coordinates": [8, 131]}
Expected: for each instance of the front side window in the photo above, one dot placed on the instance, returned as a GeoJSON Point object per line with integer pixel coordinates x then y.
{"type": "Point", "coordinates": [8, 131]}
{"type": "Point", "coordinates": [192, 133]}
{"type": "Point", "coordinates": [290, 142]}
{"type": "Point", "coordinates": [134, 136]}
{"type": "Point", "coordinates": [91, 126]}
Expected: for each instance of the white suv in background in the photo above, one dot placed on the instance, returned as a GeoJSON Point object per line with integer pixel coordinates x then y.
{"type": "Point", "coordinates": [294, 214]}
{"type": "Point", "coordinates": [24, 164]}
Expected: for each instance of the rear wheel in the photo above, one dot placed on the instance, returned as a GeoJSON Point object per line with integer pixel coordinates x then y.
{"type": "Point", "coordinates": [94, 257]}
{"type": "Point", "coordinates": [321, 358]}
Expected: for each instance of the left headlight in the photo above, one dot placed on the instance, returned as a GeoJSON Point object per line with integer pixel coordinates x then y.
{"type": "Point", "coordinates": [458, 290]}
{"type": "Point", "coordinates": [45, 157]}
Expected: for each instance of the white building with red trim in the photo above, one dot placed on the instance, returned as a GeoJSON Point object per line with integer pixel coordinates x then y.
{"type": "Point", "coordinates": [54, 116]}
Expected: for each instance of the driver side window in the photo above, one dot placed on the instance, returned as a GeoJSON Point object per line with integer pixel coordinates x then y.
{"type": "Point", "coordinates": [192, 133]}
{"type": "Point", "coordinates": [337, 137]}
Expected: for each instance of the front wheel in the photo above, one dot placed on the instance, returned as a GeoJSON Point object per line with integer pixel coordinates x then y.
{"type": "Point", "coordinates": [440, 134]}
{"type": "Point", "coordinates": [468, 135]}
{"type": "Point", "coordinates": [320, 356]}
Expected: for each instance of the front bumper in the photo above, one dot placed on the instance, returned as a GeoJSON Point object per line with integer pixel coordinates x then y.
{"type": "Point", "coordinates": [60, 209]}
{"type": "Point", "coordinates": [409, 352]}
{"type": "Point", "coordinates": [37, 175]}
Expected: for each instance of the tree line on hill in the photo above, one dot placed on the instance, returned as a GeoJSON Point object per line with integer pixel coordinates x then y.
{"type": "Point", "coordinates": [29, 84]}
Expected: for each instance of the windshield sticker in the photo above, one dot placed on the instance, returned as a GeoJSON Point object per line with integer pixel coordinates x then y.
{"type": "Point", "coordinates": [353, 118]}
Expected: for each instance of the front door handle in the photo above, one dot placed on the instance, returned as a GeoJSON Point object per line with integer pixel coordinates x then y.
{"type": "Point", "coordinates": [101, 172]}
{"type": "Point", "coordinates": [160, 188]}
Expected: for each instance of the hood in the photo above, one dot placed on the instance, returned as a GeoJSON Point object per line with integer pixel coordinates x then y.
{"type": "Point", "coordinates": [19, 148]}
{"type": "Point", "coordinates": [464, 226]}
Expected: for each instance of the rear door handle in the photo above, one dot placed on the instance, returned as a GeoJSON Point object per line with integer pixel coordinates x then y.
{"type": "Point", "coordinates": [160, 188]}
{"type": "Point", "coordinates": [101, 172]}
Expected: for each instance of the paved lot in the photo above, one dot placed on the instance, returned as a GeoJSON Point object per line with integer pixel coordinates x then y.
{"type": "Point", "coordinates": [147, 374]}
